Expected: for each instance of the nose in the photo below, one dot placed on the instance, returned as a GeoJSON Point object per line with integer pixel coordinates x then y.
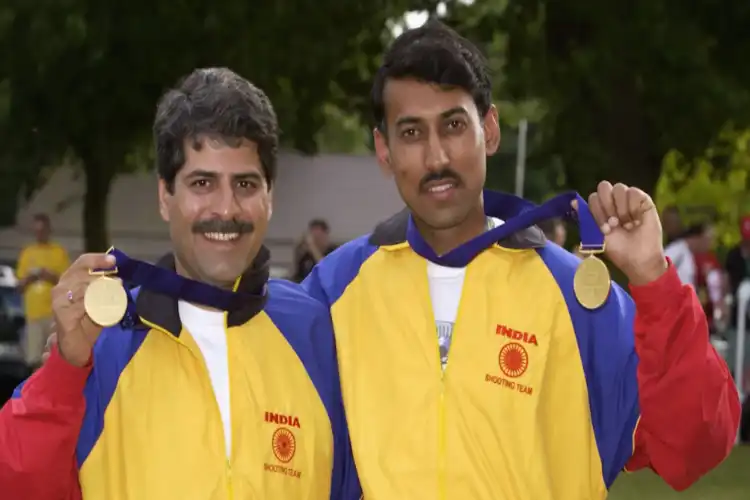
{"type": "Point", "coordinates": [226, 203]}
{"type": "Point", "coordinates": [436, 157]}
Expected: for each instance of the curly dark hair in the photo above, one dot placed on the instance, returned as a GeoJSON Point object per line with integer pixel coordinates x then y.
{"type": "Point", "coordinates": [215, 103]}
{"type": "Point", "coordinates": [434, 53]}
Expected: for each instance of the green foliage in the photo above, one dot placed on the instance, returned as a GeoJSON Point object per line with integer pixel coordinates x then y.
{"type": "Point", "coordinates": [711, 185]}
{"type": "Point", "coordinates": [82, 77]}
{"type": "Point", "coordinates": [622, 83]}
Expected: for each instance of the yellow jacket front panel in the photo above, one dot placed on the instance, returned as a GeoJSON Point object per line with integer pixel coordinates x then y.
{"type": "Point", "coordinates": [530, 406]}
{"type": "Point", "coordinates": [153, 431]}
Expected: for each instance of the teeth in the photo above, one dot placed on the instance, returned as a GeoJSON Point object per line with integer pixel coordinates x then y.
{"type": "Point", "coordinates": [440, 188]}
{"type": "Point", "coordinates": [222, 236]}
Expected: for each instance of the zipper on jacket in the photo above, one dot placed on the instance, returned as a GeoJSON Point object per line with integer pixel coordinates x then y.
{"type": "Point", "coordinates": [202, 362]}
{"type": "Point", "coordinates": [230, 490]}
{"type": "Point", "coordinates": [442, 479]}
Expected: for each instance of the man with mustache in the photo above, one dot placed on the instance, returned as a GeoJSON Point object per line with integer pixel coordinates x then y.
{"type": "Point", "coordinates": [544, 380]}
{"type": "Point", "coordinates": [180, 400]}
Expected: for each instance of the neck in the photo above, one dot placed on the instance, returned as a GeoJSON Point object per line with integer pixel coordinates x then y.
{"type": "Point", "coordinates": [443, 241]}
{"type": "Point", "coordinates": [186, 272]}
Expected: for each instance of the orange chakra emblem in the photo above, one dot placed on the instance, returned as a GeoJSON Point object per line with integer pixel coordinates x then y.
{"type": "Point", "coordinates": [283, 444]}
{"type": "Point", "coordinates": [513, 360]}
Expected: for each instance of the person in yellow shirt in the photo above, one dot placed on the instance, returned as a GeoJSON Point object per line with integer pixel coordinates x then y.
{"type": "Point", "coordinates": [39, 267]}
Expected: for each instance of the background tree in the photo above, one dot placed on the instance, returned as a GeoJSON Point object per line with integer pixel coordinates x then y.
{"type": "Point", "coordinates": [80, 78]}
{"type": "Point", "coordinates": [712, 186]}
{"type": "Point", "coordinates": [622, 83]}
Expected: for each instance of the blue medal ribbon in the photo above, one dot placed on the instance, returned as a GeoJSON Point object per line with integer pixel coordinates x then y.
{"type": "Point", "coordinates": [167, 282]}
{"type": "Point", "coordinates": [525, 214]}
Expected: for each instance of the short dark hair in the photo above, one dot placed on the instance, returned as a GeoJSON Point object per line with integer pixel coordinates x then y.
{"type": "Point", "coordinates": [217, 103]}
{"type": "Point", "coordinates": [434, 53]}
{"type": "Point", "coordinates": [43, 218]}
{"type": "Point", "coordinates": [318, 223]}
{"type": "Point", "coordinates": [548, 226]}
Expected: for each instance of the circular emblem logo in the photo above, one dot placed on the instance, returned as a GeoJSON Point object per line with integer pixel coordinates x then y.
{"type": "Point", "coordinates": [513, 360]}
{"type": "Point", "coordinates": [283, 444]}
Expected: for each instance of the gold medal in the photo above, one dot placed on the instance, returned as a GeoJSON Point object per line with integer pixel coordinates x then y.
{"type": "Point", "coordinates": [592, 282]}
{"type": "Point", "coordinates": [105, 301]}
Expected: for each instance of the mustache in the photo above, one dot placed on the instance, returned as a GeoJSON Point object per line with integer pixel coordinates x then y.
{"type": "Point", "coordinates": [446, 173]}
{"type": "Point", "coordinates": [223, 226]}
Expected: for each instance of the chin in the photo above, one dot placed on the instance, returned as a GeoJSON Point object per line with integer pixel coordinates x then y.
{"type": "Point", "coordinates": [223, 277]}
{"type": "Point", "coordinates": [443, 221]}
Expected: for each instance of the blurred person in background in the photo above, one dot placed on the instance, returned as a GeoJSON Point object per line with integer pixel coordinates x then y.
{"type": "Point", "coordinates": [671, 221]}
{"type": "Point", "coordinates": [737, 263]}
{"type": "Point", "coordinates": [695, 240]}
{"type": "Point", "coordinates": [554, 230]}
{"type": "Point", "coordinates": [40, 266]}
{"type": "Point", "coordinates": [315, 244]}
{"type": "Point", "coordinates": [710, 280]}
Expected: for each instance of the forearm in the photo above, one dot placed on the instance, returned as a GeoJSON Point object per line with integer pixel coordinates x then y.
{"type": "Point", "coordinates": [689, 406]}
{"type": "Point", "coordinates": [39, 430]}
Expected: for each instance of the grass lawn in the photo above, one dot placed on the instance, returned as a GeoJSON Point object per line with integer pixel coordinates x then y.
{"type": "Point", "coordinates": [729, 481]}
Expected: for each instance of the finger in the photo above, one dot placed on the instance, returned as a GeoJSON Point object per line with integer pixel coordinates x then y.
{"type": "Point", "coordinates": [71, 282]}
{"type": "Point", "coordinates": [622, 208]}
{"type": "Point", "coordinates": [597, 211]}
{"type": "Point", "coordinates": [51, 341]}
{"type": "Point", "coordinates": [604, 190]}
{"type": "Point", "coordinates": [68, 307]}
{"type": "Point", "coordinates": [91, 261]}
{"type": "Point", "coordinates": [638, 204]}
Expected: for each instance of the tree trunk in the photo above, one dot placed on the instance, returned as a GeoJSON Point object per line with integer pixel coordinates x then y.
{"type": "Point", "coordinates": [99, 178]}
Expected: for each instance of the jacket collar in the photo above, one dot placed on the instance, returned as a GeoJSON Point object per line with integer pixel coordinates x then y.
{"type": "Point", "coordinates": [162, 311]}
{"type": "Point", "coordinates": [496, 204]}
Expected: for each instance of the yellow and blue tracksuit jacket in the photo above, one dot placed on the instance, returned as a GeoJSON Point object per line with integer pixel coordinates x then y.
{"type": "Point", "coordinates": [533, 404]}
{"type": "Point", "coordinates": [152, 429]}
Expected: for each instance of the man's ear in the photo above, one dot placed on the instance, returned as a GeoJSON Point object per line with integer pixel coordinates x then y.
{"type": "Point", "coordinates": [270, 203]}
{"type": "Point", "coordinates": [491, 131]}
{"type": "Point", "coordinates": [164, 198]}
{"type": "Point", "coordinates": [382, 153]}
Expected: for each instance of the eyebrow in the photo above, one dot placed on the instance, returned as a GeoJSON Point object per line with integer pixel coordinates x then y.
{"type": "Point", "coordinates": [212, 175]}
{"type": "Point", "coordinates": [410, 120]}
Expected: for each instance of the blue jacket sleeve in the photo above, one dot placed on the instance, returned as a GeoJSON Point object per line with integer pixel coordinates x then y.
{"type": "Point", "coordinates": [330, 277]}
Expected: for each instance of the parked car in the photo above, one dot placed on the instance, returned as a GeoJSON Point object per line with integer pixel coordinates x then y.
{"type": "Point", "coordinates": [12, 323]}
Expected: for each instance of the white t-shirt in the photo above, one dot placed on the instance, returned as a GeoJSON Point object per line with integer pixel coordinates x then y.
{"type": "Point", "coordinates": [682, 259]}
{"type": "Point", "coordinates": [446, 284]}
{"type": "Point", "coordinates": [208, 330]}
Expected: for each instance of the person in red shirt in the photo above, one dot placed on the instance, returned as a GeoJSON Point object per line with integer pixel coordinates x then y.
{"type": "Point", "coordinates": [710, 282]}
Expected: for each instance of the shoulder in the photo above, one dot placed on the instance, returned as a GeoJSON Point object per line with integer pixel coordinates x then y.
{"type": "Point", "coordinates": [59, 248]}
{"type": "Point", "coordinates": [339, 268]}
{"type": "Point", "coordinates": [115, 347]}
{"type": "Point", "coordinates": [305, 323]}
{"type": "Point", "coordinates": [289, 305]}
{"type": "Point", "coordinates": [560, 262]}
{"type": "Point", "coordinates": [29, 248]}
{"type": "Point", "coordinates": [356, 250]}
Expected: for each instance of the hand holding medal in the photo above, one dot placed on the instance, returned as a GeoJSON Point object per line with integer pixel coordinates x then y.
{"type": "Point", "coordinates": [632, 241]}
{"type": "Point", "coordinates": [83, 302]}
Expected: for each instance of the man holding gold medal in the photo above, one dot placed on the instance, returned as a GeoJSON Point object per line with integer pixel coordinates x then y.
{"type": "Point", "coordinates": [208, 381]}
{"type": "Point", "coordinates": [478, 360]}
